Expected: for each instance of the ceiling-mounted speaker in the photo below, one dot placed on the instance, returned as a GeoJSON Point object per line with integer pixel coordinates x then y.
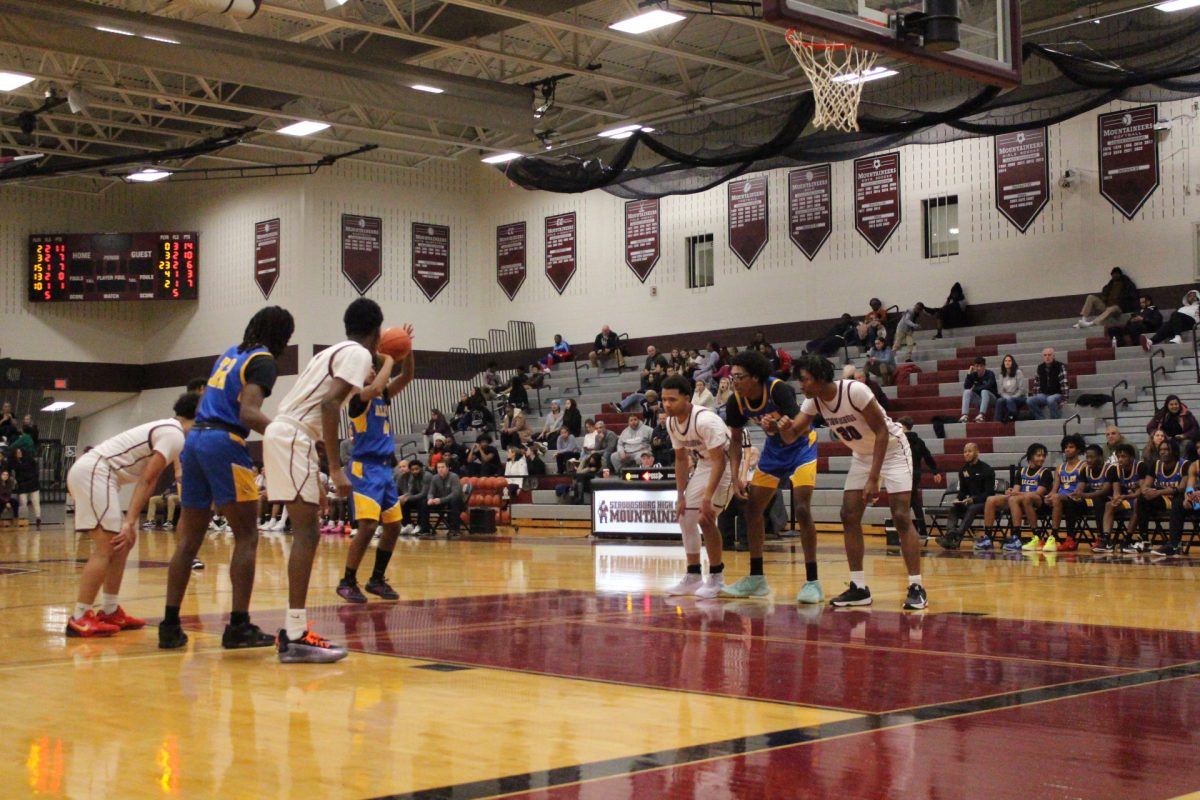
{"type": "Point", "coordinates": [77, 100]}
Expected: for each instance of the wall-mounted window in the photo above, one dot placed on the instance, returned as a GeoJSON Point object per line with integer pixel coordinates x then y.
{"type": "Point", "coordinates": [941, 226]}
{"type": "Point", "coordinates": [700, 261]}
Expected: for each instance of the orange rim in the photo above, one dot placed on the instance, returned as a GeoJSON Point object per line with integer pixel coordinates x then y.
{"type": "Point", "coordinates": [793, 37]}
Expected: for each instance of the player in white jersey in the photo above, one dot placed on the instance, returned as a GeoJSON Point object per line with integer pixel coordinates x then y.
{"type": "Point", "coordinates": [880, 456]}
{"type": "Point", "coordinates": [700, 439]}
{"type": "Point", "coordinates": [136, 456]}
{"type": "Point", "coordinates": [308, 416]}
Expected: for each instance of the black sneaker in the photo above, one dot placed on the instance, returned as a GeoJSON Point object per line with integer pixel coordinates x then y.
{"type": "Point", "coordinates": [1164, 551]}
{"type": "Point", "coordinates": [947, 543]}
{"type": "Point", "coordinates": [854, 596]}
{"type": "Point", "coordinates": [380, 588]}
{"type": "Point", "coordinates": [349, 591]}
{"type": "Point", "coordinates": [916, 599]}
{"type": "Point", "coordinates": [171, 637]}
{"type": "Point", "coordinates": [246, 634]}
{"type": "Point", "coordinates": [197, 564]}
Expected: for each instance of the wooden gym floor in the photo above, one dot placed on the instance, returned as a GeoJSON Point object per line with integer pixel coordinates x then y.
{"type": "Point", "coordinates": [552, 668]}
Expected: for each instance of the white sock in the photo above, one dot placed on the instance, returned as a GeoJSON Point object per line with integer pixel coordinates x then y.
{"type": "Point", "coordinates": [110, 602]}
{"type": "Point", "coordinates": [915, 579]}
{"type": "Point", "coordinates": [859, 578]}
{"type": "Point", "coordinates": [81, 609]}
{"type": "Point", "coordinates": [297, 623]}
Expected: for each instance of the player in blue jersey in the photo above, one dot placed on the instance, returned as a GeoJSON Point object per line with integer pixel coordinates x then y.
{"type": "Point", "coordinates": [217, 470]}
{"type": "Point", "coordinates": [1127, 477]}
{"type": "Point", "coordinates": [764, 400]}
{"type": "Point", "coordinates": [1062, 496]}
{"type": "Point", "coordinates": [1025, 499]}
{"type": "Point", "coordinates": [376, 499]}
{"type": "Point", "coordinates": [1164, 491]}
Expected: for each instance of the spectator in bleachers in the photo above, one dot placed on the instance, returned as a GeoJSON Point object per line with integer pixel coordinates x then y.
{"type": "Point", "coordinates": [953, 313]}
{"type": "Point", "coordinates": [708, 365]}
{"type": "Point", "coordinates": [517, 465]}
{"type": "Point", "coordinates": [514, 429]}
{"type": "Point", "coordinates": [759, 342]}
{"type": "Point", "coordinates": [909, 322]}
{"type": "Point", "coordinates": [566, 447]}
{"type": "Point", "coordinates": [1147, 319]}
{"type": "Point", "coordinates": [8, 426]}
{"type": "Point", "coordinates": [678, 361]}
{"type": "Point", "coordinates": [702, 397]}
{"type": "Point", "coordinates": [1025, 500]}
{"type": "Point", "coordinates": [590, 468]}
{"type": "Point", "coordinates": [516, 392]}
{"type": "Point", "coordinates": [660, 441]}
{"type": "Point", "coordinates": [1163, 491]}
{"type": "Point", "coordinates": [694, 361]}
{"type": "Point", "coordinates": [1060, 497]}
{"type": "Point", "coordinates": [444, 496]}
{"type": "Point", "coordinates": [607, 345]}
{"type": "Point", "coordinates": [881, 362]}
{"type": "Point", "coordinates": [920, 455]}
{"type": "Point", "coordinates": [462, 413]}
{"type": "Point", "coordinates": [1050, 387]}
{"type": "Point", "coordinates": [1150, 451]}
{"type": "Point", "coordinates": [724, 392]}
{"type": "Point", "coordinates": [25, 472]}
{"type": "Point", "coordinates": [572, 418]}
{"type": "Point", "coordinates": [1013, 389]}
{"type": "Point", "coordinates": [491, 381]}
{"type": "Point", "coordinates": [979, 389]}
{"type": "Point", "coordinates": [606, 441]}
{"type": "Point", "coordinates": [483, 460]}
{"type": "Point", "coordinates": [841, 333]}
{"type": "Point", "coordinates": [874, 322]}
{"type": "Point", "coordinates": [480, 418]}
{"type": "Point", "coordinates": [533, 457]}
{"type": "Point", "coordinates": [651, 407]}
{"type": "Point", "coordinates": [876, 389]}
{"type": "Point", "coordinates": [551, 426]}
{"type": "Point", "coordinates": [591, 439]}
{"type": "Point", "coordinates": [633, 441]}
{"type": "Point", "coordinates": [647, 461]}
{"type": "Point", "coordinates": [1182, 320]}
{"type": "Point", "coordinates": [8, 494]}
{"type": "Point", "coordinates": [654, 370]}
{"type": "Point", "coordinates": [438, 427]}
{"type": "Point", "coordinates": [166, 494]}
{"type": "Point", "coordinates": [1127, 476]}
{"type": "Point", "coordinates": [976, 483]}
{"type": "Point", "coordinates": [1113, 438]}
{"type": "Point", "coordinates": [1119, 296]}
{"type": "Point", "coordinates": [561, 351]}
{"type": "Point", "coordinates": [29, 428]}
{"type": "Point", "coordinates": [412, 488]}
{"type": "Point", "coordinates": [1176, 421]}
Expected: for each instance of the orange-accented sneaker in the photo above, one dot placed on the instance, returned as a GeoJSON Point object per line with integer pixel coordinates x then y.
{"type": "Point", "coordinates": [90, 625]}
{"type": "Point", "coordinates": [1068, 545]}
{"type": "Point", "coordinates": [311, 648]}
{"type": "Point", "coordinates": [121, 620]}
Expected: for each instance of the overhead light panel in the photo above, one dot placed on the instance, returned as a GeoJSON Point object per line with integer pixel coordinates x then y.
{"type": "Point", "coordinates": [303, 128]}
{"type": "Point", "coordinates": [162, 39]}
{"type": "Point", "coordinates": [117, 31]}
{"type": "Point", "coordinates": [1178, 5]}
{"type": "Point", "coordinates": [13, 80]}
{"type": "Point", "coordinates": [651, 20]}
{"type": "Point", "coordinates": [872, 74]}
{"type": "Point", "coordinates": [420, 87]}
{"type": "Point", "coordinates": [330, 5]}
{"type": "Point", "coordinates": [500, 158]}
{"type": "Point", "coordinates": [59, 405]}
{"type": "Point", "coordinates": [148, 175]}
{"type": "Point", "coordinates": [625, 131]}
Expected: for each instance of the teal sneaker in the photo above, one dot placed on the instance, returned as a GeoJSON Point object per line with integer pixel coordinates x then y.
{"type": "Point", "coordinates": [810, 593]}
{"type": "Point", "coordinates": [749, 586]}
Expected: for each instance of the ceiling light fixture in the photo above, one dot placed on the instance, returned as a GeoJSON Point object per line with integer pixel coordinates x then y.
{"type": "Point", "coordinates": [117, 31]}
{"type": "Point", "coordinates": [421, 87]}
{"type": "Point", "coordinates": [148, 175]}
{"type": "Point", "coordinates": [59, 405]}
{"type": "Point", "coordinates": [1177, 5]}
{"type": "Point", "coordinates": [625, 131]}
{"type": "Point", "coordinates": [303, 128]}
{"type": "Point", "coordinates": [13, 80]}
{"type": "Point", "coordinates": [162, 39]}
{"type": "Point", "coordinates": [649, 21]}
{"type": "Point", "coordinates": [872, 74]}
{"type": "Point", "coordinates": [330, 5]}
{"type": "Point", "coordinates": [500, 158]}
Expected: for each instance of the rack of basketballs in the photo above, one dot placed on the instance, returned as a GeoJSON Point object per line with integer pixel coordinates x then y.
{"type": "Point", "coordinates": [487, 493]}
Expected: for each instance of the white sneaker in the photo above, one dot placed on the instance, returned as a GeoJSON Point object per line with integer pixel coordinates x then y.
{"type": "Point", "coordinates": [981, 418]}
{"type": "Point", "coordinates": [1176, 340]}
{"type": "Point", "coordinates": [225, 528]}
{"type": "Point", "coordinates": [963, 418]}
{"type": "Point", "coordinates": [1086, 323]}
{"type": "Point", "coordinates": [687, 585]}
{"type": "Point", "coordinates": [1082, 322]}
{"type": "Point", "coordinates": [406, 530]}
{"type": "Point", "coordinates": [712, 587]}
{"type": "Point", "coordinates": [167, 526]}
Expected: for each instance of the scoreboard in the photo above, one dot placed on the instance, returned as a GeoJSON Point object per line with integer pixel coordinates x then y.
{"type": "Point", "coordinates": [113, 266]}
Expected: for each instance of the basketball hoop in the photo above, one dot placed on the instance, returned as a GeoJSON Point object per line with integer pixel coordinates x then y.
{"type": "Point", "coordinates": [835, 70]}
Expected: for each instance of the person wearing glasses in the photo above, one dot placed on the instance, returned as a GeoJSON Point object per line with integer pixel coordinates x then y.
{"type": "Point", "coordinates": [765, 400]}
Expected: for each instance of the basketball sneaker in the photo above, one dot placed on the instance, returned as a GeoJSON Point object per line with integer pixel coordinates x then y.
{"type": "Point", "coordinates": [810, 593]}
{"type": "Point", "coordinates": [197, 564]}
{"type": "Point", "coordinates": [1164, 551]}
{"type": "Point", "coordinates": [380, 588]}
{"type": "Point", "coordinates": [90, 625]}
{"type": "Point", "coordinates": [690, 582]}
{"type": "Point", "coordinates": [749, 586]}
{"type": "Point", "coordinates": [171, 637]}
{"type": "Point", "coordinates": [1069, 545]}
{"type": "Point", "coordinates": [1013, 544]}
{"type": "Point", "coordinates": [121, 620]}
{"type": "Point", "coordinates": [984, 543]}
{"type": "Point", "coordinates": [713, 586]}
{"type": "Point", "coordinates": [1033, 544]}
{"type": "Point", "coordinates": [349, 591]}
{"type": "Point", "coordinates": [308, 649]}
{"type": "Point", "coordinates": [855, 595]}
{"type": "Point", "coordinates": [916, 599]}
{"type": "Point", "coordinates": [1051, 545]}
{"type": "Point", "coordinates": [246, 634]}
{"type": "Point", "coordinates": [1102, 546]}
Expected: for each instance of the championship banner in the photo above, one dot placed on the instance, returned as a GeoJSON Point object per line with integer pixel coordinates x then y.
{"type": "Point", "coordinates": [749, 217]}
{"type": "Point", "coordinates": [362, 250]}
{"type": "Point", "coordinates": [1022, 175]}
{"type": "Point", "coordinates": [510, 257]}
{"type": "Point", "coordinates": [810, 204]}
{"type": "Point", "coordinates": [877, 197]}
{"type": "Point", "coordinates": [642, 228]}
{"type": "Point", "coordinates": [266, 255]}
{"type": "Point", "coordinates": [430, 258]}
{"type": "Point", "coordinates": [560, 250]}
{"type": "Point", "coordinates": [1128, 158]}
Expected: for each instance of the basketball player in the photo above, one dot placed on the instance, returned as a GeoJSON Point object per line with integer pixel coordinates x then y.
{"type": "Point", "coordinates": [140, 455]}
{"type": "Point", "coordinates": [880, 457]}
{"type": "Point", "coordinates": [308, 416]}
{"type": "Point", "coordinates": [375, 497]}
{"type": "Point", "coordinates": [1062, 496]}
{"type": "Point", "coordinates": [761, 398]}
{"type": "Point", "coordinates": [1128, 474]}
{"type": "Point", "coordinates": [217, 470]}
{"type": "Point", "coordinates": [700, 440]}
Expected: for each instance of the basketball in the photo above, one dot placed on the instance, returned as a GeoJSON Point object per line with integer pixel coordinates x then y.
{"type": "Point", "coordinates": [395, 342]}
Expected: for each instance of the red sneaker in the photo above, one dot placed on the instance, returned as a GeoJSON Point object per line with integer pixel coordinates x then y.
{"type": "Point", "coordinates": [89, 625]}
{"type": "Point", "coordinates": [1068, 545]}
{"type": "Point", "coordinates": [122, 620]}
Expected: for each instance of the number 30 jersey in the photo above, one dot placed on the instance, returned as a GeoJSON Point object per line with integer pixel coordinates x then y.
{"type": "Point", "coordinates": [844, 416]}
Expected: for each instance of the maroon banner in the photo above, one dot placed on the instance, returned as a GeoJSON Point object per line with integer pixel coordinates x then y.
{"type": "Point", "coordinates": [510, 257]}
{"type": "Point", "coordinates": [1128, 158]}
{"type": "Point", "coordinates": [560, 250]}
{"type": "Point", "coordinates": [430, 258]}
{"type": "Point", "coordinates": [642, 225]}
{"type": "Point", "coordinates": [877, 197]}
{"type": "Point", "coordinates": [810, 203]}
{"type": "Point", "coordinates": [266, 255]}
{"type": "Point", "coordinates": [362, 250]}
{"type": "Point", "coordinates": [748, 211]}
{"type": "Point", "coordinates": [1022, 175]}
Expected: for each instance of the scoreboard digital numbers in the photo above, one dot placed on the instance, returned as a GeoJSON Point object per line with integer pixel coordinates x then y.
{"type": "Point", "coordinates": [113, 266]}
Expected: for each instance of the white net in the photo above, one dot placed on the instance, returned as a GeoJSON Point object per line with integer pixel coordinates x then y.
{"type": "Point", "coordinates": [836, 73]}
